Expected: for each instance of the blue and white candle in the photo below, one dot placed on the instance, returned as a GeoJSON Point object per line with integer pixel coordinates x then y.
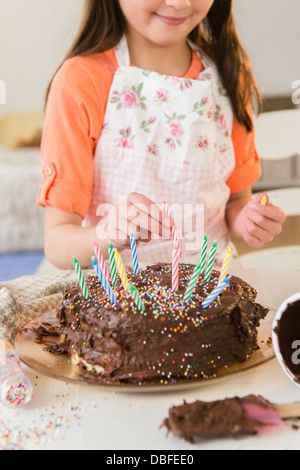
{"type": "Point", "coordinates": [104, 281]}
{"type": "Point", "coordinates": [134, 253]}
{"type": "Point", "coordinates": [215, 293]}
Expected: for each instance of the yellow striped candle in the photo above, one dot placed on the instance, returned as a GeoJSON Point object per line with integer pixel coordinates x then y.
{"type": "Point", "coordinates": [122, 272]}
{"type": "Point", "coordinates": [225, 266]}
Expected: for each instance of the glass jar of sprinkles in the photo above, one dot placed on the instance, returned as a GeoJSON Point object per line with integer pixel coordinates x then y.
{"type": "Point", "coordinates": [15, 386]}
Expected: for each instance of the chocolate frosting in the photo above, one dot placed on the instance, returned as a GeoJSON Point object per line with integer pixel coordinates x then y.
{"type": "Point", "coordinates": [172, 340]}
{"type": "Point", "coordinates": [213, 419]}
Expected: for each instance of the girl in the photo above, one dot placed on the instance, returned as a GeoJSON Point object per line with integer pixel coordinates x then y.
{"type": "Point", "coordinates": [153, 103]}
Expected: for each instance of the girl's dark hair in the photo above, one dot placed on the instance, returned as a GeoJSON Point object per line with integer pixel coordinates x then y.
{"type": "Point", "coordinates": [217, 35]}
{"type": "Point", "coordinates": [103, 26]}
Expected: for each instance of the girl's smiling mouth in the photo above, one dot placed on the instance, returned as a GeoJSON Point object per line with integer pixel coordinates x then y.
{"type": "Point", "coordinates": [170, 21]}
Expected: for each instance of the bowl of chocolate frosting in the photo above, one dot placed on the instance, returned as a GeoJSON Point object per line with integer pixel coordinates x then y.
{"type": "Point", "coordinates": [286, 337]}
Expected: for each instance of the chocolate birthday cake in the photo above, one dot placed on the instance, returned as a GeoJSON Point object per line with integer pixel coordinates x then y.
{"type": "Point", "coordinates": [169, 340]}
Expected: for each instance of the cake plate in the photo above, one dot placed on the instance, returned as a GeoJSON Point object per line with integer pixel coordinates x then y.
{"type": "Point", "coordinates": [60, 366]}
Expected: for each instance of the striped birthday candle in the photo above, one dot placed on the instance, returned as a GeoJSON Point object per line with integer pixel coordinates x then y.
{"type": "Point", "coordinates": [137, 299]}
{"type": "Point", "coordinates": [175, 267]}
{"type": "Point", "coordinates": [134, 253]}
{"type": "Point", "coordinates": [112, 263]}
{"type": "Point", "coordinates": [225, 265]}
{"type": "Point", "coordinates": [210, 263]}
{"type": "Point", "coordinates": [104, 281]}
{"type": "Point", "coordinates": [264, 200]}
{"type": "Point", "coordinates": [173, 230]}
{"type": "Point", "coordinates": [81, 279]}
{"type": "Point", "coordinates": [192, 284]}
{"type": "Point", "coordinates": [122, 272]}
{"type": "Point", "coordinates": [100, 259]}
{"type": "Point", "coordinates": [203, 255]}
{"type": "Point", "coordinates": [215, 293]}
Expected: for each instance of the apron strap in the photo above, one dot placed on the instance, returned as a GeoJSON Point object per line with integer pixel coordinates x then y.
{"type": "Point", "coordinates": [122, 53]}
{"type": "Point", "coordinates": [205, 59]}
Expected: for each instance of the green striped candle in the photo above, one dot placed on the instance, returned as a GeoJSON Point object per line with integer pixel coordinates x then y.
{"type": "Point", "coordinates": [81, 280]}
{"type": "Point", "coordinates": [210, 263]}
{"type": "Point", "coordinates": [113, 266]}
{"type": "Point", "coordinates": [192, 284]}
{"type": "Point", "coordinates": [137, 299]}
{"type": "Point", "coordinates": [203, 255]}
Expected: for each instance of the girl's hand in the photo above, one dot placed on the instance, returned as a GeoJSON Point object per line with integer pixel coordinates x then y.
{"type": "Point", "coordinates": [259, 223]}
{"type": "Point", "coordinates": [140, 215]}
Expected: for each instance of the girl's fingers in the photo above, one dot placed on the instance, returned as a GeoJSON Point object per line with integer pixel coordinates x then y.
{"type": "Point", "coordinates": [257, 236]}
{"type": "Point", "coordinates": [149, 217]}
{"type": "Point", "coordinates": [138, 214]}
{"type": "Point", "coordinates": [270, 225]}
{"type": "Point", "coordinates": [268, 209]}
{"type": "Point", "coordinates": [145, 227]}
{"type": "Point", "coordinates": [118, 232]}
{"type": "Point", "coordinates": [143, 203]}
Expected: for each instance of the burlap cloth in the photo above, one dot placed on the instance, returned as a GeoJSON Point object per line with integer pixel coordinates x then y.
{"type": "Point", "coordinates": [28, 297]}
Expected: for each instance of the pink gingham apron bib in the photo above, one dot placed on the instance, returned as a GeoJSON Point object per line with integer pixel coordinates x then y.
{"type": "Point", "coordinates": [168, 138]}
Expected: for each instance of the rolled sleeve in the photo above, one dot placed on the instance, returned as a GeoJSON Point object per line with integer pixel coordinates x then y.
{"type": "Point", "coordinates": [245, 176]}
{"type": "Point", "coordinates": [63, 194]}
{"type": "Point", "coordinates": [73, 124]}
{"type": "Point", "coordinates": [247, 162]}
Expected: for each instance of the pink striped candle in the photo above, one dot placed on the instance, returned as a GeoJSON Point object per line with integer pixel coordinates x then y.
{"type": "Point", "coordinates": [101, 260]}
{"type": "Point", "coordinates": [175, 267]}
{"type": "Point", "coordinates": [174, 234]}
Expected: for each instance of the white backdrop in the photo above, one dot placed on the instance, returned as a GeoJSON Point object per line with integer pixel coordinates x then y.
{"type": "Point", "coordinates": [34, 37]}
{"type": "Point", "coordinates": [35, 34]}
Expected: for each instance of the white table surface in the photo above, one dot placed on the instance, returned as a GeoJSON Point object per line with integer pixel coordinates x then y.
{"type": "Point", "coordinates": [68, 416]}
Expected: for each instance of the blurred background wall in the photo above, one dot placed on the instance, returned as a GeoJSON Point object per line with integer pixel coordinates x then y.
{"type": "Point", "coordinates": [34, 37]}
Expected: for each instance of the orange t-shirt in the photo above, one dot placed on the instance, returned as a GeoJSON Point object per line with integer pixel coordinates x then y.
{"type": "Point", "coordinates": [75, 114]}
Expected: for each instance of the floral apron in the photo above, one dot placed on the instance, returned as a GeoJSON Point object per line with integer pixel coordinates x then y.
{"type": "Point", "coordinates": [168, 138]}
